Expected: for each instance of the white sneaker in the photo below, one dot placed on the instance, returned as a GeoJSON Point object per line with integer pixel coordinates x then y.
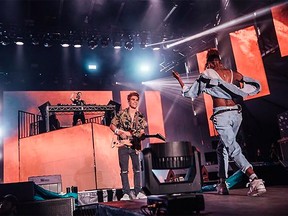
{"type": "Point", "coordinates": [141, 196]}
{"type": "Point", "coordinates": [256, 187]}
{"type": "Point", "coordinates": [125, 197]}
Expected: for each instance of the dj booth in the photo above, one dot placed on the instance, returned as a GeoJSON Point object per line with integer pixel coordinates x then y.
{"type": "Point", "coordinates": [51, 109]}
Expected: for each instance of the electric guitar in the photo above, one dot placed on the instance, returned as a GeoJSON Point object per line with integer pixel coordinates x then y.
{"type": "Point", "coordinates": [134, 142]}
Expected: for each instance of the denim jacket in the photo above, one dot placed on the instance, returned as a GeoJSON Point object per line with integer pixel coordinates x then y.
{"type": "Point", "coordinates": [219, 88]}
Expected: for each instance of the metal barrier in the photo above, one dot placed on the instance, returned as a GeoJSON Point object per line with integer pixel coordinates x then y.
{"type": "Point", "coordinates": [28, 124]}
{"type": "Point", "coordinates": [96, 119]}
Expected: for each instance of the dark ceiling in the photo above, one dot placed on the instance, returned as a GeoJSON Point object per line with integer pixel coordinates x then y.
{"type": "Point", "coordinates": [178, 17]}
{"type": "Point", "coordinates": [111, 15]}
{"type": "Point", "coordinates": [159, 19]}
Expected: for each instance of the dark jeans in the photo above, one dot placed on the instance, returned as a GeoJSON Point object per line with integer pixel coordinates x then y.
{"type": "Point", "coordinates": [78, 116]}
{"type": "Point", "coordinates": [123, 154]}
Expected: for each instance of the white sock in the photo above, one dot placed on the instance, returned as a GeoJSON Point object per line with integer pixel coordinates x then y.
{"type": "Point", "coordinates": [252, 177]}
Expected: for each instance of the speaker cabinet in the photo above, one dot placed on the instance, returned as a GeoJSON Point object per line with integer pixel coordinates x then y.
{"type": "Point", "coordinates": [23, 191]}
{"type": "Point", "coordinates": [59, 207]}
{"type": "Point", "coordinates": [283, 143]}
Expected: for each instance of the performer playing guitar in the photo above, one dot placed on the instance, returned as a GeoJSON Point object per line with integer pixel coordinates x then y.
{"type": "Point", "coordinates": [126, 121]}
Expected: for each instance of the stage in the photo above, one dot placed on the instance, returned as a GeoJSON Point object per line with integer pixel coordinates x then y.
{"type": "Point", "coordinates": [237, 203]}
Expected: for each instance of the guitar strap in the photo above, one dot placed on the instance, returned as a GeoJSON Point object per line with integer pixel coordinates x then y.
{"type": "Point", "coordinates": [137, 143]}
{"type": "Point", "coordinates": [136, 120]}
{"type": "Point", "coordinates": [135, 123]}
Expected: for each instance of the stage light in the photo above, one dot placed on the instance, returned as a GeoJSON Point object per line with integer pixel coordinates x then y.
{"type": "Point", "coordinates": [77, 43]}
{"type": "Point", "coordinates": [143, 40]}
{"type": "Point", "coordinates": [157, 42]}
{"type": "Point", "coordinates": [34, 40]}
{"type": "Point", "coordinates": [155, 48]}
{"type": "Point", "coordinates": [117, 45]}
{"type": "Point", "coordinates": [171, 175]}
{"type": "Point", "coordinates": [19, 41]}
{"type": "Point", "coordinates": [144, 68]}
{"type": "Point", "coordinates": [65, 40]}
{"type": "Point", "coordinates": [129, 45]}
{"type": "Point", "coordinates": [129, 42]}
{"type": "Point", "coordinates": [104, 41]}
{"type": "Point", "coordinates": [65, 43]}
{"type": "Point", "coordinates": [142, 44]}
{"type": "Point", "coordinates": [92, 67]}
{"type": "Point", "coordinates": [117, 41]}
{"type": "Point", "coordinates": [92, 42]}
{"type": "Point", "coordinates": [47, 40]}
{"type": "Point", "coordinates": [5, 40]}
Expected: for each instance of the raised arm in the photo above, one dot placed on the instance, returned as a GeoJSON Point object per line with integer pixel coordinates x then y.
{"type": "Point", "coordinates": [72, 97]}
{"type": "Point", "coordinates": [176, 75]}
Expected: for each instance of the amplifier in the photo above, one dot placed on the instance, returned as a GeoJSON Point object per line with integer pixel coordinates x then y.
{"type": "Point", "coordinates": [49, 182]}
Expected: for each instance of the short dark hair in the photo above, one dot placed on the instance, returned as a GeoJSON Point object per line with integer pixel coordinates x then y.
{"type": "Point", "coordinates": [213, 54]}
{"type": "Point", "coordinates": [132, 94]}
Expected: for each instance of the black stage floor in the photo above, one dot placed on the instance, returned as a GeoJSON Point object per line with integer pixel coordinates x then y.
{"type": "Point", "coordinates": [274, 202]}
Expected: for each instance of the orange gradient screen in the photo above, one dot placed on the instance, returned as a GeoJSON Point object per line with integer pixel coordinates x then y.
{"type": "Point", "coordinates": [280, 19]}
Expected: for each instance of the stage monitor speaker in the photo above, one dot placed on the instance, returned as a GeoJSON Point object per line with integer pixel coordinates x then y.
{"type": "Point", "coordinates": [59, 207]}
{"type": "Point", "coordinates": [176, 204]}
{"type": "Point", "coordinates": [284, 151]}
{"type": "Point", "coordinates": [23, 191]}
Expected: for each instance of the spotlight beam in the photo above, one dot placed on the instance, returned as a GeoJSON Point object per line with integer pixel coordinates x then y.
{"type": "Point", "coordinates": [163, 42]}
{"type": "Point", "coordinates": [170, 13]}
{"type": "Point", "coordinates": [223, 26]}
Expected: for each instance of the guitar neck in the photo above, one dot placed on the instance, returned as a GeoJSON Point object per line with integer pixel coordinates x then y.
{"type": "Point", "coordinates": [158, 136]}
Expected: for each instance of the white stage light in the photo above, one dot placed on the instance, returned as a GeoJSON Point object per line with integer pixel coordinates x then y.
{"type": "Point", "coordinates": [144, 68]}
{"type": "Point", "coordinates": [92, 67]}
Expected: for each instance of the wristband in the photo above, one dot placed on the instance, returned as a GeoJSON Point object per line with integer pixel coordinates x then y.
{"type": "Point", "coordinates": [116, 131]}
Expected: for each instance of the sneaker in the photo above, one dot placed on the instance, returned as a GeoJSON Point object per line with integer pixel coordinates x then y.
{"type": "Point", "coordinates": [141, 196]}
{"type": "Point", "coordinates": [222, 188]}
{"type": "Point", "coordinates": [256, 187]}
{"type": "Point", "coordinates": [125, 197]}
